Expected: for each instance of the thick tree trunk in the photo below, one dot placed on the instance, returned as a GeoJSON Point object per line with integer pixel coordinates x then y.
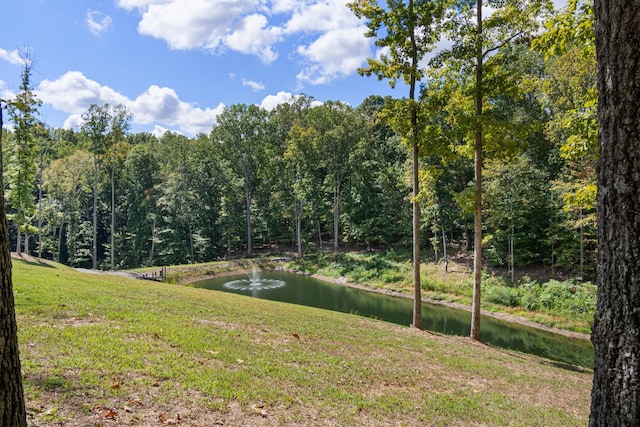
{"type": "Point", "coordinates": [616, 328]}
{"type": "Point", "coordinates": [12, 408]}
{"type": "Point", "coordinates": [477, 231]}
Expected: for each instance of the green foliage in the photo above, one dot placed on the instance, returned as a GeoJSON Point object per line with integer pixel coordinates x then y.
{"type": "Point", "coordinates": [310, 172]}
{"type": "Point", "coordinates": [568, 298]}
{"type": "Point", "coordinates": [22, 151]}
{"type": "Point", "coordinates": [503, 295]}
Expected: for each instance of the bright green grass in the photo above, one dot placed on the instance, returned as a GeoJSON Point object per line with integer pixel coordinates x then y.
{"type": "Point", "coordinates": [92, 341]}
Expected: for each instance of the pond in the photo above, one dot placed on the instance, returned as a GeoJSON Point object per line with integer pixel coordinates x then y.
{"type": "Point", "coordinates": [308, 291]}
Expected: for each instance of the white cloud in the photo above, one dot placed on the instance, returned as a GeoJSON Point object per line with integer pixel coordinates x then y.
{"type": "Point", "coordinates": [11, 56]}
{"type": "Point", "coordinates": [255, 86]}
{"type": "Point", "coordinates": [321, 16]}
{"type": "Point", "coordinates": [254, 36]}
{"type": "Point", "coordinates": [270, 102]}
{"type": "Point", "coordinates": [159, 131]}
{"type": "Point", "coordinates": [138, 4]}
{"type": "Point", "coordinates": [74, 121]}
{"type": "Point", "coordinates": [325, 33]}
{"type": "Point", "coordinates": [335, 54]}
{"type": "Point", "coordinates": [161, 104]}
{"type": "Point", "coordinates": [6, 93]}
{"type": "Point", "coordinates": [98, 22]}
{"type": "Point", "coordinates": [191, 24]}
{"type": "Point", "coordinates": [73, 93]}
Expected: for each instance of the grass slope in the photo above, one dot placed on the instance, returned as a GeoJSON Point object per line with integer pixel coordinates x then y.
{"type": "Point", "coordinates": [100, 350]}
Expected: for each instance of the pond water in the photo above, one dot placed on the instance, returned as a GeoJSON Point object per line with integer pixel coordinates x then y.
{"type": "Point", "coordinates": [308, 291]}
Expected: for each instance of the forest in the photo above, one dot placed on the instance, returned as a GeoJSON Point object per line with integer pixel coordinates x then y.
{"type": "Point", "coordinates": [313, 176]}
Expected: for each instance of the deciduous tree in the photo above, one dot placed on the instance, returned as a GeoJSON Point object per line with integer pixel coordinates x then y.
{"type": "Point", "coordinates": [405, 32]}
{"type": "Point", "coordinates": [22, 168]}
{"type": "Point", "coordinates": [478, 38]}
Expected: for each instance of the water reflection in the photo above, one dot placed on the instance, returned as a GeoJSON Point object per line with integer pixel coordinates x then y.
{"type": "Point", "coordinates": [304, 290]}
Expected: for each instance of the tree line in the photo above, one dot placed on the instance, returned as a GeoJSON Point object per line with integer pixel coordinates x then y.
{"type": "Point", "coordinates": [309, 175]}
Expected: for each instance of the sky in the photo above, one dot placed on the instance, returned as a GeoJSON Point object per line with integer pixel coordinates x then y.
{"type": "Point", "coordinates": [175, 64]}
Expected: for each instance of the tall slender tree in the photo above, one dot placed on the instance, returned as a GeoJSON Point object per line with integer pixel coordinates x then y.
{"type": "Point", "coordinates": [408, 31]}
{"type": "Point", "coordinates": [615, 397]}
{"type": "Point", "coordinates": [476, 41]}
{"type": "Point", "coordinates": [240, 131]}
{"type": "Point", "coordinates": [95, 125]}
{"type": "Point", "coordinates": [120, 123]}
{"type": "Point", "coordinates": [22, 169]}
{"type": "Point", "coordinates": [12, 407]}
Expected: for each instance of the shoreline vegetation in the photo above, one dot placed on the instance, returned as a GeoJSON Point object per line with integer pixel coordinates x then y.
{"type": "Point", "coordinates": [447, 295]}
{"type": "Point", "coordinates": [103, 349]}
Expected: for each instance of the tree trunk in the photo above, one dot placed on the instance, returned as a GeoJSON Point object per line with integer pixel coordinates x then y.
{"type": "Point", "coordinates": [26, 243]}
{"type": "Point", "coordinates": [94, 240]}
{"type": "Point", "coordinates": [153, 240]}
{"type": "Point", "coordinates": [247, 196]}
{"type": "Point", "coordinates": [320, 237]}
{"type": "Point", "coordinates": [615, 397]}
{"type": "Point", "coordinates": [336, 215]}
{"type": "Point", "coordinates": [18, 236]}
{"type": "Point", "coordinates": [299, 228]}
{"type": "Point", "coordinates": [192, 253]}
{"type": "Point", "coordinates": [113, 210]}
{"type": "Point", "coordinates": [444, 250]}
{"type": "Point", "coordinates": [40, 173]}
{"type": "Point", "coordinates": [477, 231]}
{"type": "Point", "coordinates": [12, 408]}
{"type": "Point", "coordinates": [417, 294]}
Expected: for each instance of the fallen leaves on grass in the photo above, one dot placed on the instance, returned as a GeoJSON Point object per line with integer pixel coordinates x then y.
{"type": "Point", "coordinates": [169, 421]}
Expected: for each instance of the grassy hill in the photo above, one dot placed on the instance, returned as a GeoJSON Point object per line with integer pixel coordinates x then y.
{"type": "Point", "coordinates": [100, 350]}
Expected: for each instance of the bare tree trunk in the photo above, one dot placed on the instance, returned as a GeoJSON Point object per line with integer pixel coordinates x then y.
{"type": "Point", "coordinates": [477, 233]}
{"type": "Point", "coordinates": [56, 254]}
{"type": "Point", "coordinates": [299, 228]}
{"type": "Point", "coordinates": [191, 248]}
{"type": "Point", "coordinates": [113, 210]}
{"type": "Point", "coordinates": [444, 250]}
{"type": "Point", "coordinates": [40, 173]}
{"type": "Point", "coordinates": [12, 408]}
{"type": "Point", "coordinates": [320, 237]}
{"type": "Point", "coordinates": [615, 397]}
{"type": "Point", "coordinates": [94, 240]}
{"type": "Point", "coordinates": [26, 243]}
{"type": "Point", "coordinates": [247, 196]}
{"type": "Point", "coordinates": [336, 215]}
{"type": "Point", "coordinates": [153, 240]}
{"type": "Point", "coordinates": [580, 219]}
{"type": "Point", "coordinates": [18, 238]}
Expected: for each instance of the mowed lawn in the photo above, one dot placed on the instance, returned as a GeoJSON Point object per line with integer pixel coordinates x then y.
{"type": "Point", "coordinates": [101, 350]}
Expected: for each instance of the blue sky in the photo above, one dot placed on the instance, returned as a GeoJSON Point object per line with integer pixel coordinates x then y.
{"type": "Point", "coordinates": [176, 63]}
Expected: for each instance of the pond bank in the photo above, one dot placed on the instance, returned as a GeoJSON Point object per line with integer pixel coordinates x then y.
{"type": "Point", "coordinates": [244, 268]}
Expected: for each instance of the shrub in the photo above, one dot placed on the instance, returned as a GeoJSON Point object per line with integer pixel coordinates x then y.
{"type": "Point", "coordinates": [529, 298]}
{"type": "Point", "coordinates": [503, 295]}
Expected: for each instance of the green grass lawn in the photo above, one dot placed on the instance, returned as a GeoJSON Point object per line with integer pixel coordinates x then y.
{"type": "Point", "coordinates": [100, 350]}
